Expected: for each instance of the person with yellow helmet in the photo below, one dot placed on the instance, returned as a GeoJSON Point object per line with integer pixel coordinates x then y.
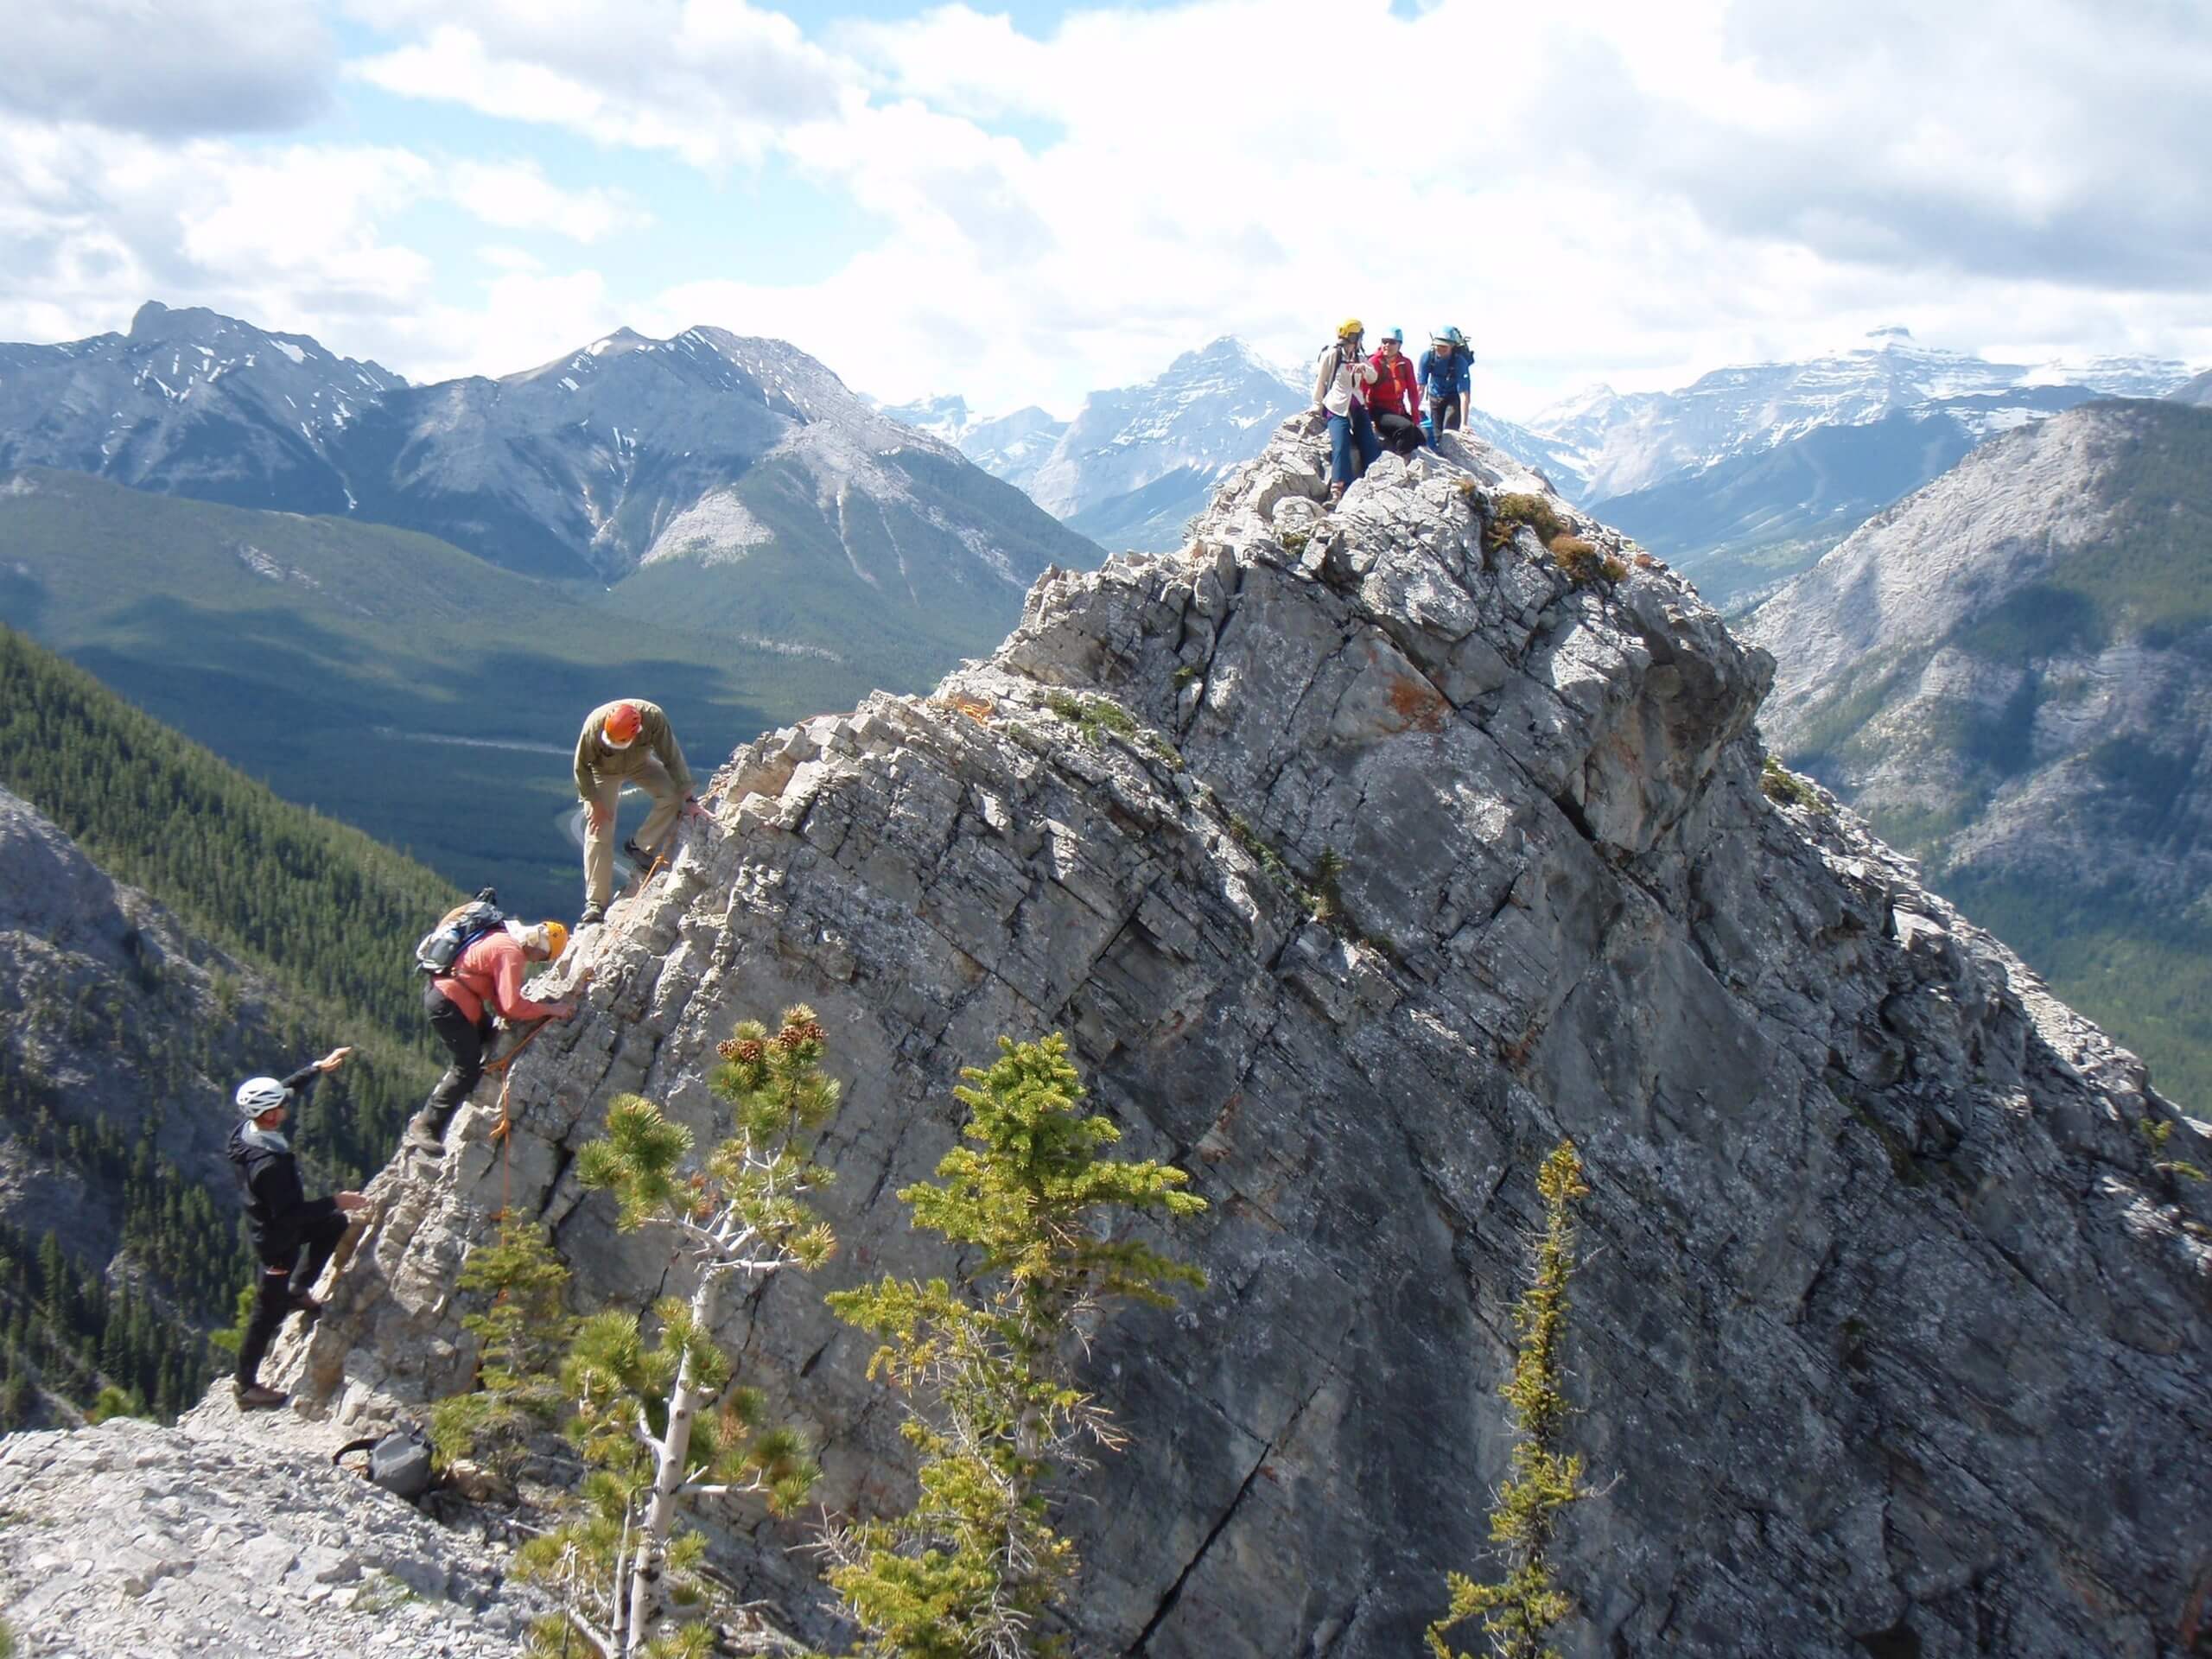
{"type": "Point", "coordinates": [1341, 378]}
{"type": "Point", "coordinates": [487, 977]}
{"type": "Point", "coordinates": [626, 742]}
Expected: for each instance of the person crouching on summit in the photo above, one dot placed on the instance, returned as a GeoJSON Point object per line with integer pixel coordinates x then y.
{"type": "Point", "coordinates": [628, 742]}
{"type": "Point", "coordinates": [486, 979]}
{"type": "Point", "coordinates": [283, 1221]}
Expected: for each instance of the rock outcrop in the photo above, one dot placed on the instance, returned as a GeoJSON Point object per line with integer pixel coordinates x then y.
{"type": "Point", "coordinates": [1889, 1337]}
{"type": "Point", "coordinates": [130, 1541]}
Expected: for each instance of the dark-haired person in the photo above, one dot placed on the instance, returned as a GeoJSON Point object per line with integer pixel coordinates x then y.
{"type": "Point", "coordinates": [1395, 399]}
{"type": "Point", "coordinates": [284, 1222]}
{"type": "Point", "coordinates": [626, 742]}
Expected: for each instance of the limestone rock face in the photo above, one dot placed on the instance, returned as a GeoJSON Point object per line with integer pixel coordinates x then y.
{"type": "Point", "coordinates": [1889, 1337]}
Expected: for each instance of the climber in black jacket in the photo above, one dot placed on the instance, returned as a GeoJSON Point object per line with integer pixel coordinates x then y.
{"type": "Point", "coordinates": [284, 1220]}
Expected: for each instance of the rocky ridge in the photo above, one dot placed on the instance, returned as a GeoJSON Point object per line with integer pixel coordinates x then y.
{"type": "Point", "coordinates": [1888, 1335]}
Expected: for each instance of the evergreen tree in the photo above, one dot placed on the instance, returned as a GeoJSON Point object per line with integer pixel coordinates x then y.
{"type": "Point", "coordinates": [1519, 1612]}
{"type": "Point", "coordinates": [987, 1365]}
{"type": "Point", "coordinates": [658, 1420]}
{"type": "Point", "coordinates": [521, 1336]}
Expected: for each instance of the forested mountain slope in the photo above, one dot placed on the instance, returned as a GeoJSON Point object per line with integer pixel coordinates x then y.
{"type": "Point", "coordinates": [168, 926]}
{"type": "Point", "coordinates": [2010, 672]}
{"type": "Point", "coordinates": [394, 682]}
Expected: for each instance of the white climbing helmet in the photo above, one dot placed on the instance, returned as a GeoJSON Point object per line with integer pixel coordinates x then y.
{"type": "Point", "coordinates": [259, 1094]}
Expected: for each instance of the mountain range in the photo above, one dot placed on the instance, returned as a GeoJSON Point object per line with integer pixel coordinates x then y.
{"type": "Point", "coordinates": [1749, 473]}
{"type": "Point", "coordinates": [1138, 461]}
{"type": "Point", "coordinates": [391, 601]}
{"type": "Point", "coordinates": [1741, 478]}
{"type": "Point", "coordinates": [698, 449]}
{"type": "Point", "coordinates": [2010, 672]}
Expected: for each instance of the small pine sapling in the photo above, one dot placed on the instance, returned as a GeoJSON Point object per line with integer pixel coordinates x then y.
{"type": "Point", "coordinates": [989, 1365]}
{"type": "Point", "coordinates": [658, 1421]}
{"type": "Point", "coordinates": [1519, 1612]}
{"type": "Point", "coordinates": [520, 1340]}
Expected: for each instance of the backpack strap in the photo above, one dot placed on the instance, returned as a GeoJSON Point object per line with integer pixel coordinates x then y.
{"type": "Point", "coordinates": [367, 1442]}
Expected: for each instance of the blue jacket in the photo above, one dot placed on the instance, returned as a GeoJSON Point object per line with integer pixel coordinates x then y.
{"type": "Point", "coordinates": [1449, 379]}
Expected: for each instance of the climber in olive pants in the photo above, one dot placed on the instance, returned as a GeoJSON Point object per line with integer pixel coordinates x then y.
{"type": "Point", "coordinates": [627, 742]}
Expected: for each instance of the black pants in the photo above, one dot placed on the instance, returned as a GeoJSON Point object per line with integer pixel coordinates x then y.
{"type": "Point", "coordinates": [1443, 414]}
{"type": "Point", "coordinates": [467, 1040]}
{"type": "Point", "coordinates": [1401, 434]}
{"type": "Point", "coordinates": [275, 1300]}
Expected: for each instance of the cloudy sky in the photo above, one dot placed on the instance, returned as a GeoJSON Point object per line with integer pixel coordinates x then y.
{"type": "Point", "coordinates": [1023, 202]}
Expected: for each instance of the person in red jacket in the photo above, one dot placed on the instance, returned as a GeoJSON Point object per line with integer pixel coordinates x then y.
{"type": "Point", "coordinates": [486, 979]}
{"type": "Point", "coordinates": [1395, 399]}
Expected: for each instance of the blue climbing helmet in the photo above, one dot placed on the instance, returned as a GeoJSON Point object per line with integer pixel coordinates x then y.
{"type": "Point", "coordinates": [1398, 334]}
{"type": "Point", "coordinates": [1456, 338]}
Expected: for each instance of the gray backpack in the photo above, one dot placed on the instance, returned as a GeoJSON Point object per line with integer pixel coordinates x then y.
{"type": "Point", "coordinates": [398, 1461]}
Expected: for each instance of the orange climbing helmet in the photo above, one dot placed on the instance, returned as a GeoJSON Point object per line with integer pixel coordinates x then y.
{"type": "Point", "coordinates": [622, 724]}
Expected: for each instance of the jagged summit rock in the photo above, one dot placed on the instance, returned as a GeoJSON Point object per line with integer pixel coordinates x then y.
{"type": "Point", "coordinates": [1363, 855]}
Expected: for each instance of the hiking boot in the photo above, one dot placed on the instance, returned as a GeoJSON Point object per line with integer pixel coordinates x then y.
{"type": "Point", "coordinates": [252, 1397]}
{"type": "Point", "coordinates": [1336, 494]}
{"type": "Point", "coordinates": [422, 1135]}
{"type": "Point", "coordinates": [594, 914]}
{"type": "Point", "coordinates": [306, 1305]}
{"type": "Point", "coordinates": [639, 856]}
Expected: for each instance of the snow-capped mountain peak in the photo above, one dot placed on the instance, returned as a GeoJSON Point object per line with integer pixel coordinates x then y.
{"type": "Point", "coordinates": [1630, 443]}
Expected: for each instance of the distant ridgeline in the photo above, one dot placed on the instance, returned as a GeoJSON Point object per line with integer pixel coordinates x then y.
{"type": "Point", "coordinates": [2009, 673]}
{"type": "Point", "coordinates": [317, 922]}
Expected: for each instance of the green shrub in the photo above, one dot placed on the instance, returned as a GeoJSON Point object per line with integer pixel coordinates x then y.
{"type": "Point", "coordinates": [1510, 511]}
{"type": "Point", "coordinates": [112, 1401]}
{"type": "Point", "coordinates": [988, 1363]}
{"type": "Point", "coordinates": [1577, 557]}
{"type": "Point", "coordinates": [1785, 788]}
{"type": "Point", "coordinates": [1093, 716]}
